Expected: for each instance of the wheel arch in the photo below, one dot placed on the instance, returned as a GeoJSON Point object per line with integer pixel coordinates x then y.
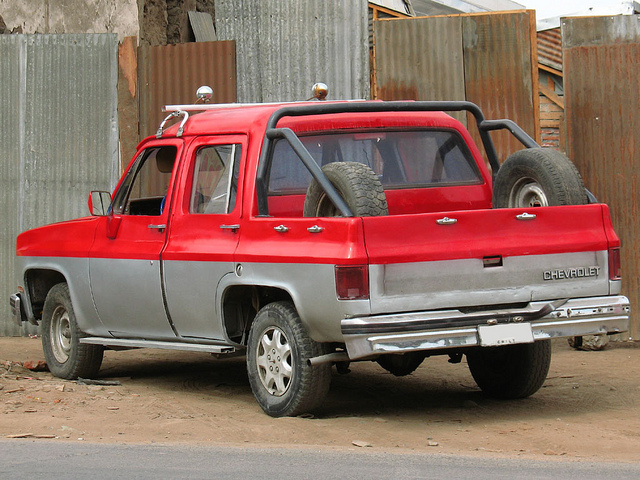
{"type": "Point", "coordinates": [311, 289]}
{"type": "Point", "coordinates": [39, 275]}
{"type": "Point", "coordinates": [240, 303]}
{"type": "Point", "coordinates": [38, 281]}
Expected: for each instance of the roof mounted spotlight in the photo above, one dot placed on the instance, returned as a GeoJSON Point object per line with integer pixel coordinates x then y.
{"type": "Point", "coordinates": [319, 91]}
{"type": "Point", "coordinates": [204, 94]}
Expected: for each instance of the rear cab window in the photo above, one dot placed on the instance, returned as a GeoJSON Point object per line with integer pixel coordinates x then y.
{"type": "Point", "coordinates": [402, 160]}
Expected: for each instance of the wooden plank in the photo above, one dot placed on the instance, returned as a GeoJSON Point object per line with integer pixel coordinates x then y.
{"type": "Point", "coordinates": [551, 95]}
{"type": "Point", "coordinates": [202, 25]}
{"type": "Point", "coordinates": [550, 70]}
{"type": "Point", "coordinates": [550, 115]}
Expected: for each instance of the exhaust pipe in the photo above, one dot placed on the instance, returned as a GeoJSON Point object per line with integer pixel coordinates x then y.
{"type": "Point", "coordinates": [328, 358]}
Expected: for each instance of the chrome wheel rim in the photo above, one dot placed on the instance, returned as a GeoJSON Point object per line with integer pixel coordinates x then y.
{"type": "Point", "coordinates": [527, 193]}
{"type": "Point", "coordinates": [60, 334]}
{"type": "Point", "coordinates": [274, 361]}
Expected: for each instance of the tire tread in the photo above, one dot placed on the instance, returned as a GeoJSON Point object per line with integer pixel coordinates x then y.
{"type": "Point", "coordinates": [356, 183]}
{"type": "Point", "coordinates": [547, 166]}
{"type": "Point", "coordinates": [84, 359]}
{"type": "Point", "coordinates": [527, 366]}
{"type": "Point", "coordinates": [314, 381]}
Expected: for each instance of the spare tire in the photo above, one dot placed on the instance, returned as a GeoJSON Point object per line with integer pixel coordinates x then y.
{"type": "Point", "coordinates": [538, 177]}
{"type": "Point", "coordinates": [356, 183]}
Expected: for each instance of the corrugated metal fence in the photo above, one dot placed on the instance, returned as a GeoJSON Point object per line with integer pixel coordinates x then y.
{"type": "Point", "coordinates": [171, 74]}
{"type": "Point", "coordinates": [488, 59]}
{"type": "Point", "coordinates": [602, 98]}
{"type": "Point", "coordinates": [285, 46]}
{"type": "Point", "coordinates": [58, 134]}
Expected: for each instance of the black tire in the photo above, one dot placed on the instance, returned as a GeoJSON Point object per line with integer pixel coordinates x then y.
{"type": "Point", "coordinates": [356, 183]}
{"type": "Point", "coordinates": [278, 348]}
{"type": "Point", "coordinates": [66, 357]}
{"type": "Point", "coordinates": [538, 177]}
{"type": "Point", "coordinates": [401, 365]}
{"type": "Point", "coordinates": [511, 371]}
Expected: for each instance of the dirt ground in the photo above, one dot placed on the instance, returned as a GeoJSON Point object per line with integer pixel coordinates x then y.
{"type": "Point", "coordinates": [588, 409]}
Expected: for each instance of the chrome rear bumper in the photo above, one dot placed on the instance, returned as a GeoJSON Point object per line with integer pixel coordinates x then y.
{"type": "Point", "coordinates": [442, 329]}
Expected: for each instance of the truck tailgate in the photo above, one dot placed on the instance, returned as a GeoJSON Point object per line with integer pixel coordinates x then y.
{"type": "Point", "coordinates": [488, 257]}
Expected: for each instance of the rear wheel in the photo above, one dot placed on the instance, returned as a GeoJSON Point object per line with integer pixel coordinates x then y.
{"type": "Point", "coordinates": [277, 352]}
{"type": "Point", "coordinates": [66, 357]}
{"type": "Point", "coordinates": [358, 186]}
{"type": "Point", "coordinates": [511, 371]}
{"type": "Point", "coordinates": [538, 177]}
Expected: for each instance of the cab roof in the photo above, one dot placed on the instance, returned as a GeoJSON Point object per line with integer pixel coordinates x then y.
{"type": "Point", "coordinates": [255, 117]}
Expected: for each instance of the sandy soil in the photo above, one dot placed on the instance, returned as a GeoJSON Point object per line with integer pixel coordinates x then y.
{"type": "Point", "coordinates": [588, 408]}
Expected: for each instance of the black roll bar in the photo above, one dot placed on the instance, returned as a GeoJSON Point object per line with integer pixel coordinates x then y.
{"type": "Point", "coordinates": [317, 108]}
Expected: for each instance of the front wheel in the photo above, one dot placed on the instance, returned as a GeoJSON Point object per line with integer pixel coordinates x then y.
{"type": "Point", "coordinates": [511, 371]}
{"type": "Point", "coordinates": [277, 352]}
{"type": "Point", "coordinates": [66, 357]}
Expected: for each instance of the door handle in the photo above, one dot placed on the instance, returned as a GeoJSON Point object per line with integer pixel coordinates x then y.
{"type": "Point", "coordinates": [157, 227]}
{"type": "Point", "coordinates": [281, 228]}
{"type": "Point", "coordinates": [233, 227]}
{"type": "Point", "coordinates": [447, 221]}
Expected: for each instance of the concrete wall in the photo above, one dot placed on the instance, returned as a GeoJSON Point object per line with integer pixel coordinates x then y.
{"type": "Point", "coordinates": [71, 16]}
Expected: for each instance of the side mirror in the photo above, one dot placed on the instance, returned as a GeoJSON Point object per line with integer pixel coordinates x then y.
{"type": "Point", "coordinates": [99, 203]}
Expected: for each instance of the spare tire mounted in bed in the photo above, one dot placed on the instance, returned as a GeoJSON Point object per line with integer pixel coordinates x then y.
{"type": "Point", "coordinates": [356, 183]}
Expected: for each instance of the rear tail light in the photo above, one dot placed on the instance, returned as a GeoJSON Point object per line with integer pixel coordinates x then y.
{"type": "Point", "coordinates": [352, 282]}
{"type": "Point", "coordinates": [615, 270]}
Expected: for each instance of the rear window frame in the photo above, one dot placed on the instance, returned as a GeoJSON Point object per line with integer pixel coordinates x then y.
{"type": "Point", "coordinates": [460, 143]}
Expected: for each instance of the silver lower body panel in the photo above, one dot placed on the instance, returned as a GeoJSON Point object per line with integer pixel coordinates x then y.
{"type": "Point", "coordinates": [445, 329]}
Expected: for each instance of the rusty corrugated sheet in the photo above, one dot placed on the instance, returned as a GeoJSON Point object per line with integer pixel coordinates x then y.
{"type": "Point", "coordinates": [61, 139]}
{"type": "Point", "coordinates": [550, 48]}
{"type": "Point", "coordinates": [501, 72]}
{"type": "Point", "coordinates": [487, 59]}
{"type": "Point", "coordinates": [171, 74]}
{"type": "Point", "coordinates": [602, 98]}
{"type": "Point", "coordinates": [285, 46]}
{"type": "Point", "coordinates": [420, 59]}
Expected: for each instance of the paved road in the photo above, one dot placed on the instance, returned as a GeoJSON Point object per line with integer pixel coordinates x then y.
{"type": "Point", "coordinates": [21, 459]}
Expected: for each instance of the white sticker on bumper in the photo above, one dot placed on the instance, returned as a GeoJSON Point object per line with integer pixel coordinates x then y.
{"type": "Point", "coordinates": [497, 335]}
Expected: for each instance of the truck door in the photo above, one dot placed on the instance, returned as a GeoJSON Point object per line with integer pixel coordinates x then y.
{"type": "Point", "coordinates": [125, 268]}
{"type": "Point", "coordinates": [203, 237]}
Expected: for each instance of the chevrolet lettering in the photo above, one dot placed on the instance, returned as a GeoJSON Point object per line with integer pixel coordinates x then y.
{"type": "Point", "coordinates": [569, 273]}
{"type": "Point", "coordinates": [309, 235]}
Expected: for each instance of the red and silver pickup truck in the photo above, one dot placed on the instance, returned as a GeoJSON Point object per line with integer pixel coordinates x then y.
{"type": "Point", "coordinates": [314, 234]}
